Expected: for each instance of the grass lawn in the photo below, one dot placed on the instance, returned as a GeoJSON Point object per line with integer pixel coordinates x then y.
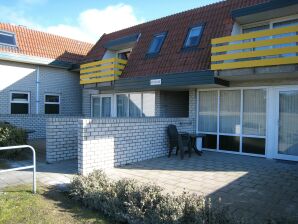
{"type": "Point", "coordinates": [19, 205]}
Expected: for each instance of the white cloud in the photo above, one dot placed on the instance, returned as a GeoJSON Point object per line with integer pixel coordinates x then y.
{"type": "Point", "coordinates": [91, 24]}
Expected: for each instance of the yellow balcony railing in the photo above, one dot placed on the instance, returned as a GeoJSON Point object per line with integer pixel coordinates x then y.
{"type": "Point", "coordinates": [102, 71]}
{"type": "Point", "coordinates": [262, 48]}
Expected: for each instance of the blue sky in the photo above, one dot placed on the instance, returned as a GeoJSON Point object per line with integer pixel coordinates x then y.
{"type": "Point", "coordinates": [88, 19]}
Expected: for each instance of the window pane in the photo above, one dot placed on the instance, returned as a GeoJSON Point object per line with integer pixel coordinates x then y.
{"type": "Point", "coordinates": [209, 142]}
{"type": "Point", "coordinates": [19, 97]}
{"type": "Point", "coordinates": [207, 120]}
{"type": "Point", "coordinates": [106, 106]}
{"type": "Point", "coordinates": [122, 105]}
{"type": "Point", "coordinates": [285, 24]}
{"type": "Point", "coordinates": [193, 37]}
{"type": "Point", "coordinates": [149, 104]}
{"type": "Point", "coordinates": [19, 108]}
{"type": "Point", "coordinates": [135, 104]}
{"type": "Point", "coordinates": [7, 38]}
{"type": "Point", "coordinates": [229, 143]}
{"type": "Point", "coordinates": [96, 107]}
{"type": "Point", "coordinates": [52, 99]}
{"type": "Point", "coordinates": [288, 123]}
{"type": "Point", "coordinates": [254, 112]}
{"type": "Point", "coordinates": [52, 108]}
{"type": "Point", "coordinates": [253, 145]}
{"type": "Point", "coordinates": [229, 119]}
{"type": "Point", "coordinates": [156, 44]}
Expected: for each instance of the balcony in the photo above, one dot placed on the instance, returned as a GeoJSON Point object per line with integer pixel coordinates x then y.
{"type": "Point", "coordinates": [102, 71]}
{"type": "Point", "coordinates": [257, 49]}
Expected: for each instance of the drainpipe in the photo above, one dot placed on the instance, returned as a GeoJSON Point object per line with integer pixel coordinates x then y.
{"type": "Point", "coordinates": [37, 90]}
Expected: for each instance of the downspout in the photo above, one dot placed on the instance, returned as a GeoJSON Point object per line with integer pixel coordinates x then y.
{"type": "Point", "coordinates": [37, 89]}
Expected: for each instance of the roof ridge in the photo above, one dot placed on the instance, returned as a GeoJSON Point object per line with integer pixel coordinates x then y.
{"type": "Point", "coordinates": [43, 32]}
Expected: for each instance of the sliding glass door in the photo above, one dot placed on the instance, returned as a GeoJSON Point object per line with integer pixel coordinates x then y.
{"type": "Point", "coordinates": [233, 120]}
{"type": "Point", "coordinates": [287, 130]}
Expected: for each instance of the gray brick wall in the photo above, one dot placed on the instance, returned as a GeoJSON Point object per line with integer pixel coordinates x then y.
{"type": "Point", "coordinates": [174, 103]}
{"type": "Point", "coordinates": [105, 143]}
{"type": "Point", "coordinates": [193, 104]}
{"type": "Point", "coordinates": [86, 101]}
{"type": "Point", "coordinates": [61, 139]}
{"type": "Point", "coordinates": [23, 77]}
{"type": "Point", "coordinates": [66, 84]}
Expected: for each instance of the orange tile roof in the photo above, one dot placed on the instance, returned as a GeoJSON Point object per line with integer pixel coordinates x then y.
{"type": "Point", "coordinates": [40, 44]}
{"type": "Point", "coordinates": [171, 59]}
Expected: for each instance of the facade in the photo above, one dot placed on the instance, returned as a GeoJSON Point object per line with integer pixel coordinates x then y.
{"type": "Point", "coordinates": [36, 77]}
{"type": "Point", "coordinates": [230, 66]}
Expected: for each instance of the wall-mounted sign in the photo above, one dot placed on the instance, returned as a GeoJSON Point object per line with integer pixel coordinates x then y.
{"type": "Point", "coordinates": [155, 82]}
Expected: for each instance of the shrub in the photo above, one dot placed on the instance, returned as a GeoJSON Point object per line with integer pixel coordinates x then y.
{"type": "Point", "coordinates": [129, 202]}
{"type": "Point", "coordinates": [11, 135]}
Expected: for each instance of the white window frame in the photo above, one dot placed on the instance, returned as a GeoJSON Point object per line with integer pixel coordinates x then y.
{"type": "Point", "coordinates": [240, 135]}
{"type": "Point", "coordinates": [114, 102]}
{"type": "Point", "coordinates": [52, 103]}
{"type": "Point", "coordinates": [21, 102]}
{"type": "Point", "coordinates": [100, 97]}
{"type": "Point", "coordinates": [9, 33]}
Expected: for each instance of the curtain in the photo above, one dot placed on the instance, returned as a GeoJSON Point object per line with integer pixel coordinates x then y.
{"type": "Point", "coordinates": [149, 104]}
{"type": "Point", "coordinates": [135, 104]}
{"type": "Point", "coordinates": [122, 105]}
{"type": "Point", "coordinates": [96, 107]}
{"type": "Point", "coordinates": [106, 106]}
{"type": "Point", "coordinates": [229, 115]}
{"type": "Point", "coordinates": [254, 112]}
{"type": "Point", "coordinates": [207, 117]}
{"type": "Point", "coordinates": [288, 123]}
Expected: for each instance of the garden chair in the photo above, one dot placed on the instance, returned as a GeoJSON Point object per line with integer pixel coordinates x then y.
{"type": "Point", "coordinates": [180, 141]}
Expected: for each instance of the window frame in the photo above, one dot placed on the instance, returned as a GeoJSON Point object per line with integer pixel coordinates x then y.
{"type": "Point", "coordinates": [153, 54]}
{"type": "Point", "coordinates": [52, 103]}
{"type": "Point", "coordinates": [202, 25]}
{"type": "Point", "coordinates": [14, 37]}
{"type": "Point", "coordinates": [19, 102]}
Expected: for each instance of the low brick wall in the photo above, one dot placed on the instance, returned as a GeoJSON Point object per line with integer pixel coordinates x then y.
{"type": "Point", "coordinates": [34, 122]}
{"type": "Point", "coordinates": [106, 143]}
{"type": "Point", "coordinates": [61, 139]}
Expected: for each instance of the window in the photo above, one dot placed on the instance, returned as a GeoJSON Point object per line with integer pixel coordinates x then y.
{"type": "Point", "coordinates": [124, 105]}
{"type": "Point", "coordinates": [52, 104]}
{"type": "Point", "coordinates": [233, 120]}
{"type": "Point", "coordinates": [7, 38]}
{"type": "Point", "coordinates": [156, 43]}
{"type": "Point", "coordinates": [193, 36]}
{"type": "Point", "coordinates": [19, 103]}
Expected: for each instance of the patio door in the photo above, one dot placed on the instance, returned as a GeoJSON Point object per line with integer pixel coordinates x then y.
{"type": "Point", "coordinates": [102, 105]}
{"type": "Point", "coordinates": [287, 124]}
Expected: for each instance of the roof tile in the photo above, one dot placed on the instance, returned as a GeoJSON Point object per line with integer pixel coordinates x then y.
{"type": "Point", "coordinates": [41, 44]}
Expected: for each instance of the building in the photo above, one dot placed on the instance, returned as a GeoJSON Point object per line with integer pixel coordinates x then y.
{"type": "Point", "coordinates": [38, 77]}
{"type": "Point", "coordinates": [231, 66]}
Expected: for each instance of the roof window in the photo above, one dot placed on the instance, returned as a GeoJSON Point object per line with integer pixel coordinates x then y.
{"type": "Point", "coordinates": [7, 38]}
{"type": "Point", "coordinates": [193, 37]}
{"type": "Point", "coordinates": [156, 43]}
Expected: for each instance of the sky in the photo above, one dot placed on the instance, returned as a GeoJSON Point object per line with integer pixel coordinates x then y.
{"type": "Point", "coordinates": [87, 20]}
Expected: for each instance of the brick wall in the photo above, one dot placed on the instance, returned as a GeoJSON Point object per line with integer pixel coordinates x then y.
{"type": "Point", "coordinates": [61, 139]}
{"type": "Point", "coordinates": [22, 77]}
{"type": "Point", "coordinates": [32, 122]}
{"type": "Point", "coordinates": [105, 143]}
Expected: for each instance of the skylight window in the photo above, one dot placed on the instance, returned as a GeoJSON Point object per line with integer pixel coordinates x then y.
{"type": "Point", "coordinates": [156, 43]}
{"type": "Point", "coordinates": [193, 36]}
{"type": "Point", "coordinates": [7, 38]}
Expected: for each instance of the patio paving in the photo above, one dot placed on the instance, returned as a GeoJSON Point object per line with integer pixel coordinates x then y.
{"type": "Point", "coordinates": [47, 174]}
{"type": "Point", "coordinates": [254, 188]}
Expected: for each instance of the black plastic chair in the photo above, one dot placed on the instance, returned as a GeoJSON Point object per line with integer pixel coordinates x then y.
{"type": "Point", "coordinates": [180, 141]}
